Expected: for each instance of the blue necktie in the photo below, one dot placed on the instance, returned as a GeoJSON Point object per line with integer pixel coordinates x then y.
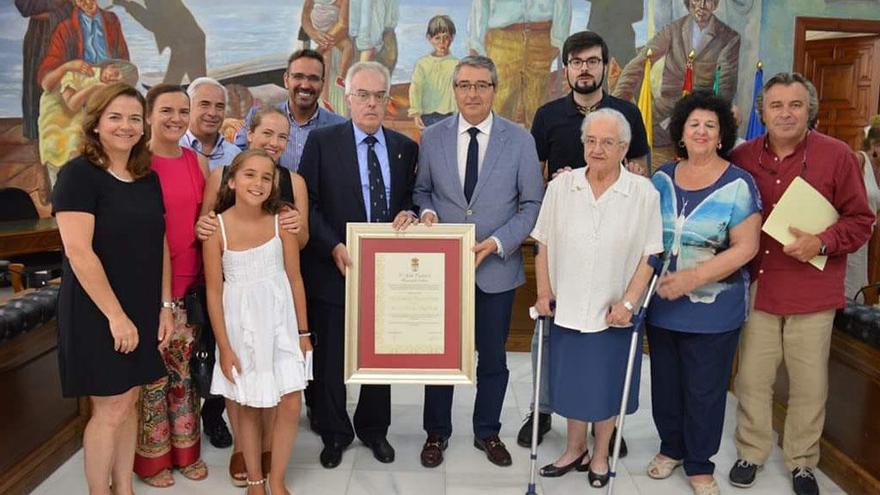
{"type": "Point", "coordinates": [378, 201]}
{"type": "Point", "coordinates": [470, 170]}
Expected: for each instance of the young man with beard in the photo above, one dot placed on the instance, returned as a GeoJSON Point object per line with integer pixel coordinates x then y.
{"type": "Point", "coordinates": [557, 132]}
{"type": "Point", "coordinates": [304, 80]}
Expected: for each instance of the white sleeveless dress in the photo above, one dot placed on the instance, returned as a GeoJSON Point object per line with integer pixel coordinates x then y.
{"type": "Point", "coordinates": [261, 326]}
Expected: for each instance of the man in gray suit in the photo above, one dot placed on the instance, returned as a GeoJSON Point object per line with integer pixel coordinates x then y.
{"type": "Point", "coordinates": [483, 169]}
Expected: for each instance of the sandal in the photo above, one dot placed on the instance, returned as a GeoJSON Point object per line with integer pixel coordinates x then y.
{"type": "Point", "coordinates": [196, 471]}
{"type": "Point", "coordinates": [660, 469]}
{"type": "Point", "coordinates": [162, 479]}
{"type": "Point", "coordinates": [266, 462]}
{"type": "Point", "coordinates": [238, 470]}
{"type": "Point", "coordinates": [706, 488]}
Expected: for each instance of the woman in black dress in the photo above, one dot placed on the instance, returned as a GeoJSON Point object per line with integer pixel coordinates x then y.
{"type": "Point", "coordinates": [112, 314]}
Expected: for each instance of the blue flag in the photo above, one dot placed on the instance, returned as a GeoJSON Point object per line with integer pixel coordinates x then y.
{"type": "Point", "coordinates": [756, 128]}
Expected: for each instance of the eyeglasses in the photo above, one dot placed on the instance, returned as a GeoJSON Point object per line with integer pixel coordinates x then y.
{"type": "Point", "coordinates": [362, 96]}
{"type": "Point", "coordinates": [590, 63]}
{"type": "Point", "coordinates": [480, 86]}
{"type": "Point", "coordinates": [774, 172]}
{"type": "Point", "coordinates": [605, 144]}
{"type": "Point", "coordinates": [703, 3]}
{"type": "Point", "coordinates": [300, 77]}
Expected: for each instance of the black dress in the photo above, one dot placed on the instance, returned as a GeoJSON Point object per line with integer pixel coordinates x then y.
{"type": "Point", "coordinates": [128, 240]}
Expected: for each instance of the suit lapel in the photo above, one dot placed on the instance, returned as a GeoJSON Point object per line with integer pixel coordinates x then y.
{"type": "Point", "coordinates": [395, 165]}
{"type": "Point", "coordinates": [687, 34]}
{"type": "Point", "coordinates": [351, 172]}
{"type": "Point", "coordinates": [708, 35]}
{"type": "Point", "coordinates": [497, 138]}
{"type": "Point", "coordinates": [449, 144]}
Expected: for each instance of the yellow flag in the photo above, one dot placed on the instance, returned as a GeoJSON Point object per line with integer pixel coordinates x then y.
{"type": "Point", "coordinates": [646, 101]}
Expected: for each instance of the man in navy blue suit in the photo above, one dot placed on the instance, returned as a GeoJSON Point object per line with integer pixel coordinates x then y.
{"type": "Point", "coordinates": [357, 171]}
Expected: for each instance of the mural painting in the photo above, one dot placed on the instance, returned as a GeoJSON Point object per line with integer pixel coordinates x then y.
{"type": "Point", "coordinates": [62, 49]}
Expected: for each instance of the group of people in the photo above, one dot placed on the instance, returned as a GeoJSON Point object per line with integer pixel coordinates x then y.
{"type": "Point", "coordinates": [160, 203]}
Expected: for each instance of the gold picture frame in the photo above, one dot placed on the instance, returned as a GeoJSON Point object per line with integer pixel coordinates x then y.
{"type": "Point", "coordinates": [400, 327]}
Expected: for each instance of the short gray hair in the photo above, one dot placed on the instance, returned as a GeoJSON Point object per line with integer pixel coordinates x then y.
{"type": "Point", "coordinates": [201, 81]}
{"type": "Point", "coordinates": [369, 65]}
{"type": "Point", "coordinates": [479, 62]}
{"type": "Point", "coordinates": [624, 131]}
{"type": "Point", "coordinates": [787, 79]}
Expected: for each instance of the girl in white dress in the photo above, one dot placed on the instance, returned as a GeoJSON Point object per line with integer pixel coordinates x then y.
{"type": "Point", "coordinates": [257, 307]}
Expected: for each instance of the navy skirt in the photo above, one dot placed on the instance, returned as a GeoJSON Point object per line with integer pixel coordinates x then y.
{"type": "Point", "coordinates": [587, 372]}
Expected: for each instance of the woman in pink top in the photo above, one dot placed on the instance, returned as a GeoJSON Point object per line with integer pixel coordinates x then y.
{"type": "Point", "coordinates": [168, 433]}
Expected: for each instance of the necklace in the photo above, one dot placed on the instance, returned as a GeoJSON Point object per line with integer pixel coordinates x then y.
{"type": "Point", "coordinates": [118, 177]}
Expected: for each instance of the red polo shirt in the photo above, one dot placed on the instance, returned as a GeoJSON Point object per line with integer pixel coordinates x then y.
{"type": "Point", "coordinates": [788, 286]}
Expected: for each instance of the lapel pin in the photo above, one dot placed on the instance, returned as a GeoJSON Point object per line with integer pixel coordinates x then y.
{"type": "Point", "coordinates": [399, 156]}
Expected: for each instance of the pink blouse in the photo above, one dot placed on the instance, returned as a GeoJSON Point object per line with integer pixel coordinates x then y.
{"type": "Point", "coordinates": [182, 183]}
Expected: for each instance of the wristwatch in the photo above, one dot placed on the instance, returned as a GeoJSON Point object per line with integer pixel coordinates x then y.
{"type": "Point", "coordinates": [822, 248]}
{"type": "Point", "coordinates": [168, 304]}
{"type": "Point", "coordinates": [628, 305]}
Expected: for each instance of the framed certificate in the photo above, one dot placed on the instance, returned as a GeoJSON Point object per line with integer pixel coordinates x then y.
{"type": "Point", "coordinates": [409, 304]}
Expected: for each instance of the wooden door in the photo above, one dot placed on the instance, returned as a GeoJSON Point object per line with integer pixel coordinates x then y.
{"type": "Point", "coordinates": [846, 72]}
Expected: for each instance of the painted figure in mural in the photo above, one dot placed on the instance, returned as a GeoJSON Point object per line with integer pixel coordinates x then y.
{"type": "Point", "coordinates": [62, 106]}
{"type": "Point", "coordinates": [430, 89]}
{"type": "Point", "coordinates": [371, 25]}
{"type": "Point", "coordinates": [175, 28]}
{"type": "Point", "coordinates": [90, 34]}
{"type": "Point", "coordinates": [522, 39]}
{"type": "Point", "coordinates": [713, 43]}
{"type": "Point", "coordinates": [304, 80]}
{"type": "Point", "coordinates": [43, 16]}
{"type": "Point", "coordinates": [326, 22]}
{"type": "Point", "coordinates": [613, 20]}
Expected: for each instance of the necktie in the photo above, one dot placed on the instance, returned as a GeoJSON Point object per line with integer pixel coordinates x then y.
{"type": "Point", "coordinates": [378, 201]}
{"type": "Point", "coordinates": [470, 169]}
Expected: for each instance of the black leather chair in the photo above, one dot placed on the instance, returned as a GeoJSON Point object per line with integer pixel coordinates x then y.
{"type": "Point", "coordinates": [36, 268]}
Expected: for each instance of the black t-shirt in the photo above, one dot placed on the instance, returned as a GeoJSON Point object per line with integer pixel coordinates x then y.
{"type": "Point", "coordinates": [557, 131]}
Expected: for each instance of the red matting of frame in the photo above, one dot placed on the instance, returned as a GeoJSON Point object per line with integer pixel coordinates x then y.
{"type": "Point", "coordinates": [367, 356]}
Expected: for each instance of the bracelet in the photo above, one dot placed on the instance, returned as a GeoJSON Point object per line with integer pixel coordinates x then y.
{"type": "Point", "coordinates": [168, 304]}
{"type": "Point", "coordinates": [305, 334]}
{"type": "Point", "coordinates": [628, 305]}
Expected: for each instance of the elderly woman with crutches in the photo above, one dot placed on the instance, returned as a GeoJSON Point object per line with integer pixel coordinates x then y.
{"type": "Point", "coordinates": [597, 227]}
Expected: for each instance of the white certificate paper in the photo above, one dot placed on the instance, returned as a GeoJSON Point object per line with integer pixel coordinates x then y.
{"type": "Point", "coordinates": [409, 306]}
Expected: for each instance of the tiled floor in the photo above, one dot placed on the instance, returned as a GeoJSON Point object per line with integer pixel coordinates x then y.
{"type": "Point", "coordinates": [465, 470]}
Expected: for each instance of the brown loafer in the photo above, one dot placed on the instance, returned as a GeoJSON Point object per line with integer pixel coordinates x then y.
{"type": "Point", "coordinates": [495, 450]}
{"type": "Point", "coordinates": [432, 451]}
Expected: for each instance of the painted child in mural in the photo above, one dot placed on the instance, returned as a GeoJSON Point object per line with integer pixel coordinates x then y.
{"type": "Point", "coordinates": [327, 24]}
{"type": "Point", "coordinates": [65, 93]}
{"type": "Point", "coordinates": [372, 24]}
{"type": "Point", "coordinates": [523, 39]}
{"type": "Point", "coordinates": [430, 90]}
{"type": "Point", "coordinates": [714, 44]}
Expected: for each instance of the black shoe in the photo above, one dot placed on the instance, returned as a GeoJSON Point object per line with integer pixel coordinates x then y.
{"type": "Point", "coordinates": [742, 474]}
{"type": "Point", "coordinates": [598, 480]}
{"type": "Point", "coordinates": [623, 450]}
{"type": "Point", "coordinates": [382, 450]}
{"type": "Point", "coordinates": [331, 455]}
{"type": "Point", "coordinates": [553, 471]}
{"type": "Point", "coordinates": [524, 437]}
{"type": "Point", "coordinates": [803, 481]}
{"type": "Point", "coordinates": [218, 433]}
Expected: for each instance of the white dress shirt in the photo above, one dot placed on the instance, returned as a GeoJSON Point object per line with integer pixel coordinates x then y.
{"type": "Point", "coordinates": [595, 245]}
{"type": "Point", "coordinates": [464, 139]}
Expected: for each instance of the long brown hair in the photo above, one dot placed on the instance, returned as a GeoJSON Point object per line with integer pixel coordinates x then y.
{"type": "Point", "coordinates": [91, 148]}
{"type": "Point", "coordinates": [226, 195]}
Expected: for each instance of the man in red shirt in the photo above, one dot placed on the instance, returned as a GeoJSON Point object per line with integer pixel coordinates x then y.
{"type": "Point", "coordinates": [793, 303]}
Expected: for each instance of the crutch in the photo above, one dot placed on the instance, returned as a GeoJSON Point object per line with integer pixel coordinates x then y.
{"type": "Point", "coordinates": [637, 321]}
{"type": "Point", "coordinates": [533, 455]}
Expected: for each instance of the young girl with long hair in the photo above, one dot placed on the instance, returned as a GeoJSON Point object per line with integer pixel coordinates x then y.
{"type": "Point", "coordinates": [257, 306]}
